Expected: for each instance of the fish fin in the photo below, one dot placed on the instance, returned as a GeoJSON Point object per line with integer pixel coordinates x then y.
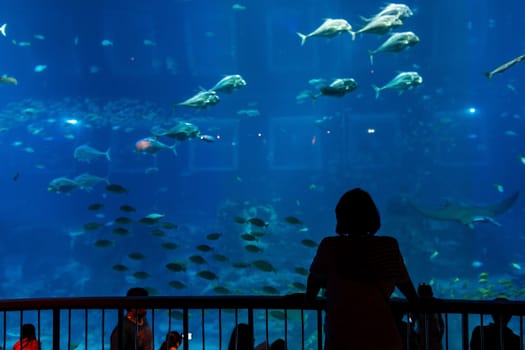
{"type": "Point", "coordinates": [107, 154]}
{"type": "Point", "coordinates": [488, 75]}
{"type": "Point", "coordinates": [352, 34]}
{"type": "Point", "coordinates": [303, 38]}
{"type": "Point", "coordinates": [377, 90]}
{"type": "Point", "coordinates": [3, 28]}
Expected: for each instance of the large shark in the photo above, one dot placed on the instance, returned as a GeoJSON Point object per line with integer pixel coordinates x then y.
{"type": "Point", "coordinates": [467, 214]}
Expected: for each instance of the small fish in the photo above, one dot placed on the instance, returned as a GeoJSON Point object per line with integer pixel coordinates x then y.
{"type": "Point", "coordinates": [121, 231]}
{"type": "Point", "coordinates": [221, 290]}
{"type": "Point", "coordinates": [136, 256]}
{"type": "Point", "coordinates": [522, 159]}
{"type": "Point", "coordinates": [117, 189]}
{"type": "Point", "coordinates": [95, 206]}
{"type": "Point", "coordinates": [213, 236]}
{"type": "Point", "coordinates": [86, 153]}
{"type": "Point", "coordinates": [177, 285]}
{"type": "Point", "coordinates": [207, 275]}
{"type": "Point", "coordinates": [16, 176]}
{"type": "Point", "coordinates": [176, 266]}
{"type": "Point", "coordinates": [3, 29]}
{"type": "Point", "coordinates": [293, 220]}
{"type": "Point", "coordinates": [169, 245]}
{"type": "Point", "coordinates": [381, 25]}
{"type": "Point", "coordinates": [229, 84]}
{"type": "Point", "coordinates": [204, 248]}
{"type": "Point", "coordinates": [395, 43]}
{"type": "Point", "coordinates": [5, 80]}
{"type": "Point", "coordinates": [151, 145]}
{"type": "Point", "coordinates": [249, 112]}
{"type": "Point", "coordinates": [309, 243]}
{"type": "Point", "coordinates": [264, 265]}
{"type": "Point", "coordinates": [499, 188]}
{"type": "Point", "coordinates": [87, 181]}
{"type": "Point", "coordinates": [182, 131]}
{"type": "Point", "coordinates": [208, 138]}
{"type": "Point", "coordinates": [127, 208]}
{"type": "Point", "coordinates": [106, 42]}
{"type": "Point", "coordinates": [148, 42]}
{"type": "Point", "coordinates": [434, 255]}
{"type": "Point", "coordinates": [39, 37]}
{"type": "Point", "coordinates": [238, 7]}
{"type": "Point", "coordinates": [329, 29]}
{"type": "Point", "coordinates": [220, 257]}
{"type": "Point", "coordinates": [504, 66]}
{"type": "Point", "coordinates": [403, 81]}
{"type": "Point", "coordinates": [257, 222]}
{"type": "Point", "coordinates": [398, 10]}
{"type": "Point", "coordinates": [338, 88]}
{"type": "Point", "coordinates": [40, 68]}
{"type": "Point", "coordinates": [103, 243]}
{"type": "Point", "coordinates": [201, 100]}
{"type": "Point", "coordinates": [62, 185]}
{"type": "Point", "coordinates": [197, 259]}
{"type": "Point", "coordinates": [141, 275]}
{"type": "Point", "coordinates": [122, 220]}
{"type": "Point", "coordinates": [120, 268]}
{"type": "Point", "coordinates": [252, 248]}
{"type": "Point", "coordinates": [516, 265]}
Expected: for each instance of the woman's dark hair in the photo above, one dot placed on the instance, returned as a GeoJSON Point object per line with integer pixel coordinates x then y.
{"type": "Point", "coordinates": [356, 213]}
{"type": "Point", "coordinates": [28, 331]}
{"type": "Point", "coordinates": [241, 338]}
{"type": "Point", "coordinates": [172, 338]}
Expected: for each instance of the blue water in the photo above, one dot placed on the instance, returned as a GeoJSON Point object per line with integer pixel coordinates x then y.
{"type": "Point", "coordinates": [456, 137]}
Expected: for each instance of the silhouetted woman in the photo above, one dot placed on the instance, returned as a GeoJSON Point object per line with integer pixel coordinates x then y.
{"type": "Point", "coordinates": [359, 272]}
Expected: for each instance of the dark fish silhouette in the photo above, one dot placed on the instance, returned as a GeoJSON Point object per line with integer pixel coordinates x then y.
{"type": "Point", "coordinates": [469, 215]}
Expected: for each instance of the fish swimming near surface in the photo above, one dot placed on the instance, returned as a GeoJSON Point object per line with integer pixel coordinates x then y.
{"type": "Point", "coordinates": [201, 100]}
{"type": "Point", "coordinates": [403, 81]}
{"type": "Point", "coordinates": [229, 84]}
{"type": "Point", "coordinates": [86, 153]}
{"type": "Point", "coordinates": [329, 29]}
{"type": "Point", "coordinates": [469, 214]}
{"type": "Point", "coordinates": [504, 66]}
{"type": "Point", "coordinates": [395, 43]}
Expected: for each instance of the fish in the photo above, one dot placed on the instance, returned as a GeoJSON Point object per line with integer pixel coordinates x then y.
{"type": "Point", "coordinates": [87, 181]}
{"type": "Point", "coordinates": [208, 138]}
{"type": "Point", "coordinates": [62, 185]}
{"type": "Point", "coordinates": [40, 68]}
{"type": "Point", "coordinates": [395, 43]}
{"type": "Point", "coordinates": [106, 42]}
{"type": "Point", "coordinates": [3, 29]}
{"type": "Point", "coordinates": [403, 81]}
{"type": "Point", "coordinates": [381, 25]}
{"type": "Point", "coordinates": [469, 215]}
{"type": "Point", "coordinates": [116, 188]}
{"type": "Point", "coordinates": [86, 153]}
{"type": "Point", "coordinates": [182, 131]}
{"type": "Point", "coordinates": [338, 88]}
{"type": "Point", "coordinates": [5, 80]}
{"type": "Point", "coordinates": [400, 10]}
{"type": "Point", "coordinates": [229, 84]}
{"type": "Point", "coordinates": [504, 66]}
{"type": "Point", "coordinates": [201, 100]}
{"type": "Point", "coordinates": [151, 145]}
{"type": "Point", "coordinates": [329, 29]}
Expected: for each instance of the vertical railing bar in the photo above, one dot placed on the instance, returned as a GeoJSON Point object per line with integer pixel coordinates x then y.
{"type": "Point", "coordinates": [56, 329]}
{"type": "Point", "coordinates": [120, 326]}
{"type": "Point", "coordinates": [267, 325]}
{"type": "Point", "coordinates": [20, 334]}
{"type": "Point", "coordinates": [5, 329]}
{"type": "Point", "coordinates": [521, 332]}
{"type": "Point", "coordinates": [185, 326]}
{"type": "Point", "coordinates": [319, 330]}
{"type": "Point", "coordinates": [69, 329]}
{"type": "Point", "coordinates": [302, 329]}
{"type": "Point", "coordinates": [203, 329]}
{"type": "Point", "coordinates": [102, 325]}
{"type": "Point", "coordinates": [86, 328]}
{"type": "Point", "coordinates": [38, 320]}
{"type": "Point", "coordinates": [152, 325]}
{"type": "Point", "coordinates": [286, 326]}
{"type": "Point", "coordinates": [481, 335]}
{"type": "Point", "coordinates": [446, 331]}
{"type": "Point", "coordinates": [464, 331]}
{"type": "Point", "coordinates": [220, 329]}
{"type": "Point", "coordinates": [250, 320]}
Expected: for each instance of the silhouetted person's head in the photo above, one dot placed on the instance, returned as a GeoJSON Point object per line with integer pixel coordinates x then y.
{"type": "Point", "coordinates": [425, 290]}
{"type": "Point", "coordinates": [356, 213]}
{"type": "Point", "coordinates": [28, 331]}
{"type": "Point", "coordinates": [499, 317]}
{"type": "Point", "coordinates": [173, 340]}
{"type": "Point", "coordinates": [137, 292]}
{"type": "Point", "coordinates": [241, 338]}
{"type": "Point", "coordinates": [278, 344]}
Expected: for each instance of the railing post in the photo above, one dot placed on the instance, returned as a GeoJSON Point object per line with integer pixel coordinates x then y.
{"type": "Point", "coordinates": [464, 331]}
{"type": "Point", "coordinates": [56, 329]}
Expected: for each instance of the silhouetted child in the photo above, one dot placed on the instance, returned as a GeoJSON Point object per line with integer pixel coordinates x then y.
{"type": "Point", "coordinates": [172, 342]}
{"type": "Point", "coordinates": [429, 326]}
{"type": "Point", "coordinates": [29, 341]}
{"type": "Point", "coordinates": [496, 335]}
{"type": "Point", "coordinates": [241, 338]}
{"type": "Point", "coordinates": [406, 330]}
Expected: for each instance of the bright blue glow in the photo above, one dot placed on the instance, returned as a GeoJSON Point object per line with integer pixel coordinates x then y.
{"type": "Point", "coordinates": [71, 121]}
{"type": "Point", "coordinates": [471, 110]}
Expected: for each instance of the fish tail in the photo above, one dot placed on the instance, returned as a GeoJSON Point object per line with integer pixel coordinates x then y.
{"type": "Point", "coordinates": [174, 149]}
{"type": "Point", "coordinates": [107, 154]}
{"type": "Point", "coordinates": [371, 53]}
{"type": "Point", "coordinates": [303, 38]}
{"type": "Point", "coordinates": [352, 34]}
{"type": "Point", "coordinates": [3, 28]}
{"type": "Point", "coordinates": [377, 90]}
{"type": "Point", "coordinates": [488, 75]}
